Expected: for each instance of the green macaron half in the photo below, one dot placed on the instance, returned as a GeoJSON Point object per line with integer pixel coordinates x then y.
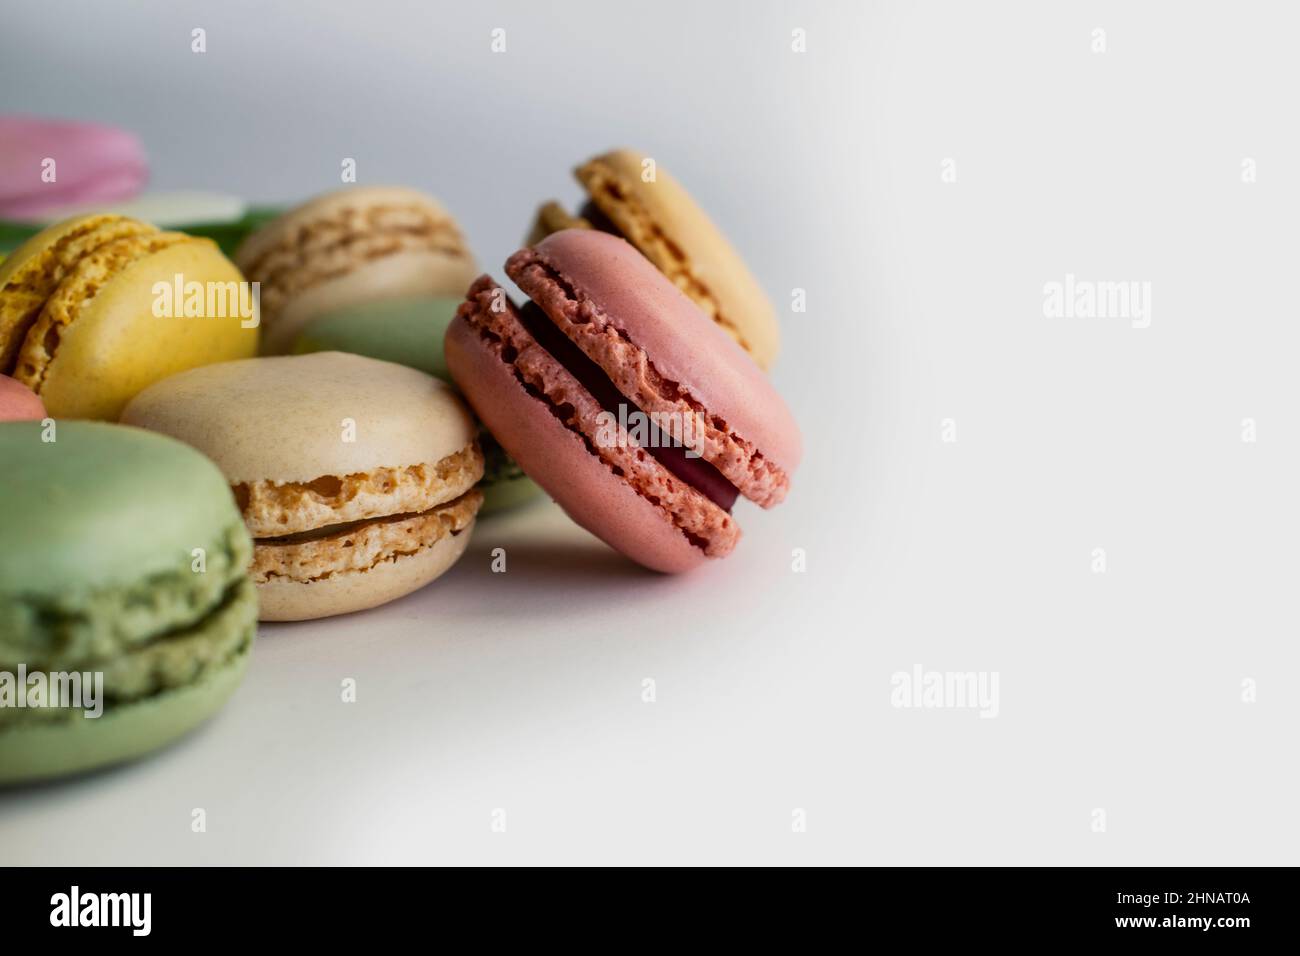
{"type": "Point", "coordinates": [123, 582]}
{"type": "Point", "coordinates": [409, 331]}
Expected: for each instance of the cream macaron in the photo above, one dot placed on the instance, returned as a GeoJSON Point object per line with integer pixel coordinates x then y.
{"type": "Point", "coordinates": [355, 476]}
{"type": "Point", "coordinates": [355, 245]}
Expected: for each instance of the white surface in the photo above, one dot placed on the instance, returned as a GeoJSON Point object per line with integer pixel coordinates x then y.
{"type": "Point", "coordinates": [522, 691]}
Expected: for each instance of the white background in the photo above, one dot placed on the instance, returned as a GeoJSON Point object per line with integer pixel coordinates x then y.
{"type": "Point", "coordinates": [1120, 691]}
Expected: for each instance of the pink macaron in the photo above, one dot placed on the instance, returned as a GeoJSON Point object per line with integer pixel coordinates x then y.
{"type": "Point", "coordinates": [616, 394]}
{"type": "Point", "coordinates": [18, 403]}
{"type": "Point", "coordinates": [47, 165]}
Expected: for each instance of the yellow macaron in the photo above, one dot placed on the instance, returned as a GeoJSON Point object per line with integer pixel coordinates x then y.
{"type": "Point", "coordinates": [94, 309]}
{"type": "Point", "coordinates": [632, 196]}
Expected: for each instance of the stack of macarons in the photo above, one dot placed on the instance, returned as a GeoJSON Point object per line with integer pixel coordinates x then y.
{"type": "Point", "coordinates": [332, 447]}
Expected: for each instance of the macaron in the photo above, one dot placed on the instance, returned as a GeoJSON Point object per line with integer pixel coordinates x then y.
{"type": "Point", "coordinates": [355, 476]}
{"type": "Point", "coordinates": [358, 244]}
{"type": "Point", "coordinates": [18, 402]}
{"type": "Point", "coordinates": [631, 196]}
{"type": "Point", "coordinates": [47, 164]}
{"type": "Point", "coordinates": [94, 309]}
{"type": "Point", "coordinates": [122, 555]}
{"type": "Point", "coordinates": [410, 331]}
{"type": "Point", "coordinates": [624, 401]}
{"type": "Point", "coordinates": [407, 330]}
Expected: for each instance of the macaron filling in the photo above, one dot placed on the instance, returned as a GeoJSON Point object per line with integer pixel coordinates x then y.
{"type": "Point", "coordinates": [360, 546]}
{"type": "Point", "coordinates": [274, 509]}
{"type": "Point", "coordinates": [84, 625]}
{"type": "Point", "coordinates": [502, 333]}
{"type": "Point", "coordinates": [312, 531]}
{"type": "Point", "coordinates": [694, 470]}
{"type": "Point", "coordinates": [596, 334]}
{"type": "Point", "coordinates": [596, 217]}
{"type": "Point", "coordinates": [176, 658]}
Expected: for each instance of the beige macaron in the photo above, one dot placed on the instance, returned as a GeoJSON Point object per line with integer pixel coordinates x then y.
{"type": "Point", "coordinates": [356, 245]}
{"type": "Point", "coordinates": [636, 198]}
{"type": "Point", "coordinates": [355, 476]}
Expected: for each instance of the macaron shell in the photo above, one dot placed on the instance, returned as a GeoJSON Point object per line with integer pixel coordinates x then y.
{"type": "Point", "coordinates": [552, 217]}
{"type": "Point", "coordinates": [407, 330]}
{"type": "Point", "coordinates": [504, 484]}
{"type": "Point", "coordinates": [95, 266]}
{"type": "Point", "coordinates": [286, 226]}
{"type": "Point", "coordinates": [669, 227]}
{"type": "Point", "coordinates": [402, 275]}
{"type": "Point", "coordinates": [121, 733]}
{"type": "Point", "coordinates": [103, 506]}
{"type": "Point", "coordinates": [116, 346]}
{"type": "Point", "coordinates": [558, 460]}
{"type": "Point", "coordinates": [682, 343]}
{"type": "Point", "coordinates": [506, 494]}
{"type": "Point", "coordinates": [33, 272]}
{"type": "Point", "coordinates": [18, 402]}
{"type": "Point", "coordinates": [410, 331]}
{"type": "Point", "coordinates": [286, 600]}
{"type": "Point", "coordinates": [289, 418]}
{"type": "Point", "coordinates": [95, 163]}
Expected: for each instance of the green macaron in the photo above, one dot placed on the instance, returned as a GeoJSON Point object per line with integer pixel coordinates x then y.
{"type": "Point", "coordinates": [123, 574]}
{"type": "Point", "coordinates": [409, 331]}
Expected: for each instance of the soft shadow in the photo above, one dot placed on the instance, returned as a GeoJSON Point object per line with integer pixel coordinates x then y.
{"type": "Point", "coordinates": [562, 562]}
